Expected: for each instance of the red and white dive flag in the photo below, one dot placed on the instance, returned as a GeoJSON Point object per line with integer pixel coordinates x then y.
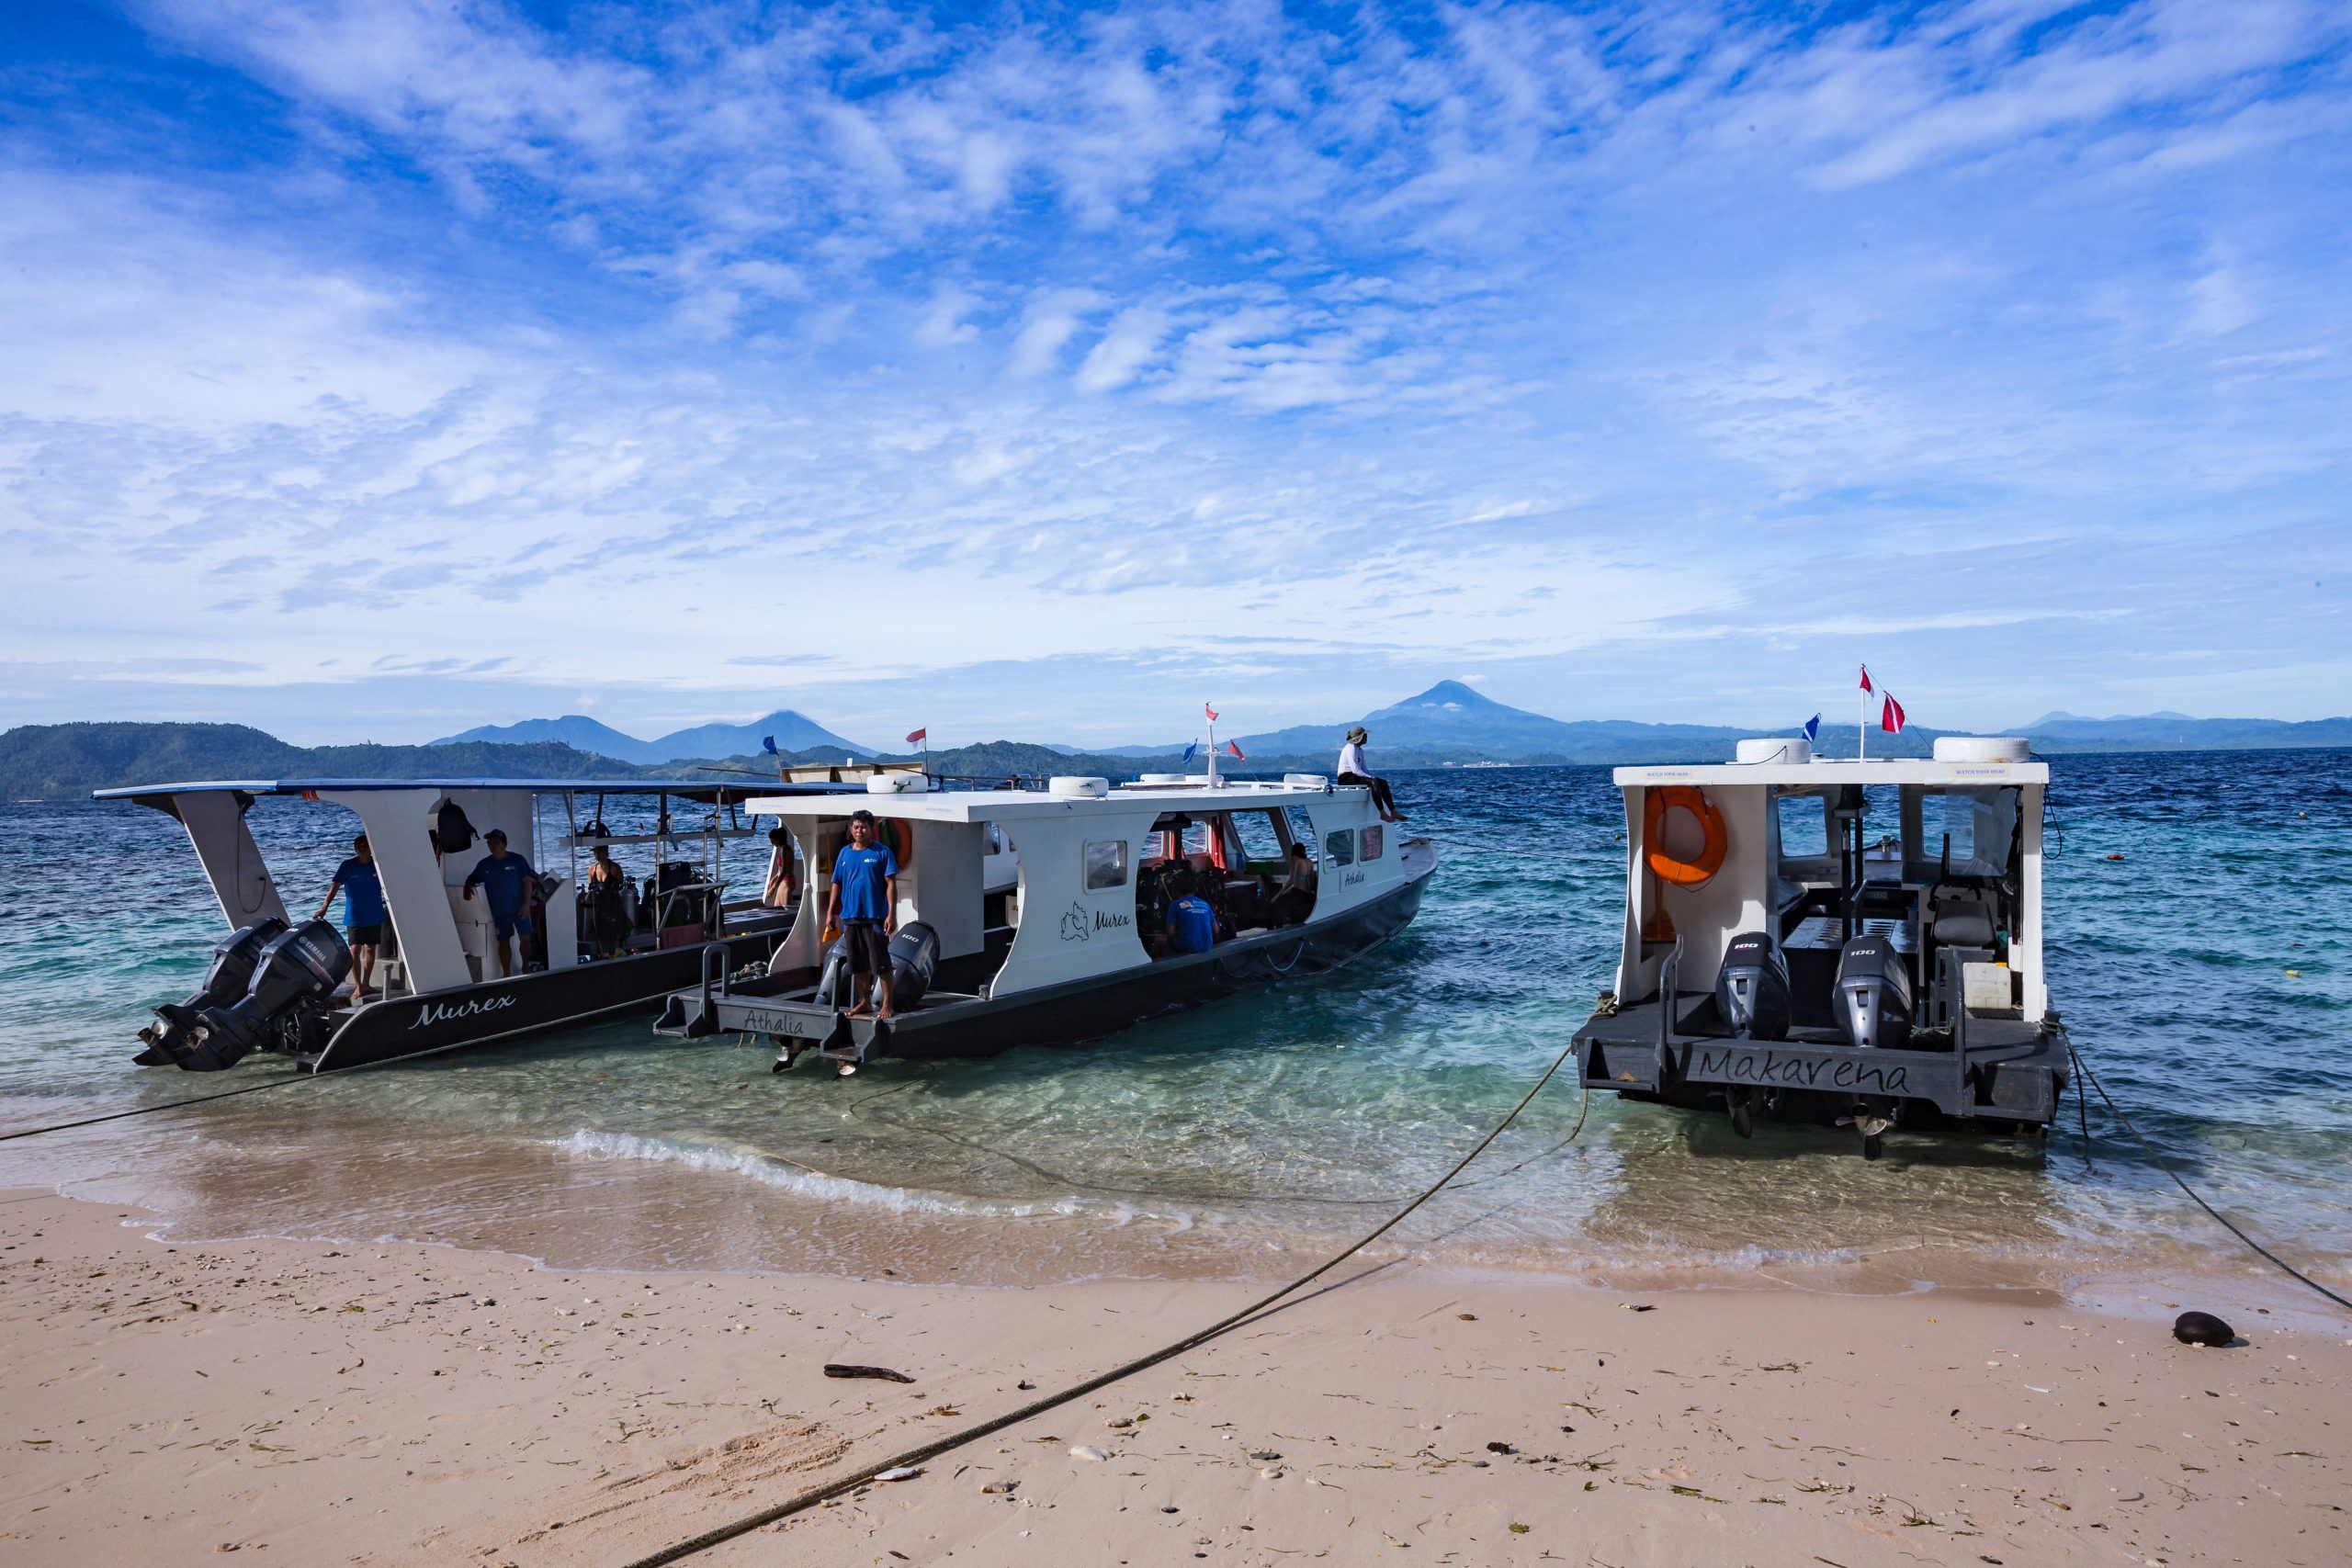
{"type": "Point", "coordinates": [1234, 746]}
{"type": "Point", "coordinates": [915, 735]}
{"type": "Point", "coordinates": [1890, 717]}
{"type": "Point", "coordinates": [1210, 711]}
{"type": "Point", "coordinates": [1866, 680]}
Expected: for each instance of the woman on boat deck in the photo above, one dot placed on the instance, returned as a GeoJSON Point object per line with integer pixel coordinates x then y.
{"type": "Point", "coordinates": [1352, 771]}
{"type": "Point", "coordinates": [865, 903]}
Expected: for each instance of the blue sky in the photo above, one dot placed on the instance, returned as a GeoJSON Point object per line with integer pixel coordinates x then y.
{"type": "Point", "coordinates": [374, 369]}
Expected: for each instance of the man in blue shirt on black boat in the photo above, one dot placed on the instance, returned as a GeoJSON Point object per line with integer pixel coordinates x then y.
{"type": "Point", "coordinates": [865, 902]}
{"type": "Point", "coordinates": [508, 884]}
{"type": "Point", "coordinates": [363, 913]}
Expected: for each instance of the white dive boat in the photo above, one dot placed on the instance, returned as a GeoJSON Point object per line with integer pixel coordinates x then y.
{"type": "Point", "coordinates": [1835, 940]}
{"type": "Point", "coordinates": [279, 985]}
{"type": "Point", "coordinates": [1040, 917]}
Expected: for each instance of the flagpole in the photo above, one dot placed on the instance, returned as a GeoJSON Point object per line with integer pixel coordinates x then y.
{"type": "Point", "coordinates": [1862, 725]}
{"type": "Point", "coordinates": [1212, 749]}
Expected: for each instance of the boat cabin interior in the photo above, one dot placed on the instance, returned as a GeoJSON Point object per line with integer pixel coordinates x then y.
{"type": "Point", "coordinates": [1940, 859]}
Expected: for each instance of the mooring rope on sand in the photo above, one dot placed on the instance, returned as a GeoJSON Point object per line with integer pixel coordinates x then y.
{"type": "Point", "coordinates": [2195, 1197]}
{"type": "Point", "coordinates": [720, 1534]}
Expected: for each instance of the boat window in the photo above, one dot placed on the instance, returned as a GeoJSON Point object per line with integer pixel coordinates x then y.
{"type": "Point", "coordinates": [1982, 823]}
{"type": "Point", "coordinates": [1340, 845]}
{"type": "Point", "coordinates": [1259, 839]}
{"type": "Point", "coordinates": [1302, 827]}
{"type": "Point", "coordinates": [1805, 826]}
{"type": "Point", "coordinates": [1106, 863]}
{"type": "Point", "coordinates": [1374, 842]}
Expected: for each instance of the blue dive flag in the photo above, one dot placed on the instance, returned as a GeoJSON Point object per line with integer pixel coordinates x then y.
{"type": "Point", "coordinates": [1813, 728]}
{"type": "Point", "coordinates": [767, 744]}
{"type": "Point", "coordinates": [1190, 749]}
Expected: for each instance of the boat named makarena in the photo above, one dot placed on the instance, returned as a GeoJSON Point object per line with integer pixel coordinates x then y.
{"type": "Point", "coordinates": [1835, 940]}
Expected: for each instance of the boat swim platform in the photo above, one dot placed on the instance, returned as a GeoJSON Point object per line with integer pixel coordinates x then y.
{"type": "Point", "coordinates": [1990, 1070]}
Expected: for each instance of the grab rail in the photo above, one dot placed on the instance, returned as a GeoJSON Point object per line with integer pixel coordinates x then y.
{"type": "Point", "coordinates": [1670, 981]}
{"type": "Point", "coordinates": [724, 977]}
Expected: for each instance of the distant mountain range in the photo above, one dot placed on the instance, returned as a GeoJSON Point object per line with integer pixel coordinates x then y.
{"type": "Point", "coordinates": [1449, 725]}
{"type": "Point", "coordinates": [792, 732]}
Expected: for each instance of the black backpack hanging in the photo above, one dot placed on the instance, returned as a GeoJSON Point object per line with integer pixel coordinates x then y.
{"type": "Point", "coordinates": [451, 833]}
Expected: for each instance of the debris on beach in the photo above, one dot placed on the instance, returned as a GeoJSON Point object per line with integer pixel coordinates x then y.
{"type": "Point", "coordinates": [842, 1369]}
{"type": "Point", "coordinates": [900, 1473]}
{"type": "Point", "coordinates": [1094, 1455]}
{"type": "Point", "coordinates": [2201, 1328]}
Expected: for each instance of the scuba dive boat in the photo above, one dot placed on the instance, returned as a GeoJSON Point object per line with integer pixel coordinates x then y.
{"type": "Point", "coordinates": [593, 948]}
{"type": "Point", "coordinates": [1053, 915]}
{"type": "Point", "coordinates": [1858, 941]}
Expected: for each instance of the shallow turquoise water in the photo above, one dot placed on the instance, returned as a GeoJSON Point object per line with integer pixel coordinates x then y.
{"type": "Point", "coordinates": [1224, 1140]}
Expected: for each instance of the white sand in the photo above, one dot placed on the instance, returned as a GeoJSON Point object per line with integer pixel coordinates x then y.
{"type": "Point", "coordinates": [313, 1403]}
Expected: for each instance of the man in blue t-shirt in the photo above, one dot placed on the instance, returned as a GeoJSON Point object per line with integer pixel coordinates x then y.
{"type": "Point", "coordinates": [508, 884]}
{"type": "Point", "coordinates": [865, 902]}
{"type": "Point", "coordinates": [363, 913]}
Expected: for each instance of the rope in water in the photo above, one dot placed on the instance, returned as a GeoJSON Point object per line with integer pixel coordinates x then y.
{"type": "Point", "coordinates": [147, 1110]}
{"type": "Point", "coordinates": [720, 1534]}
{"type": "Point", "coordinates": [2194, 1196]}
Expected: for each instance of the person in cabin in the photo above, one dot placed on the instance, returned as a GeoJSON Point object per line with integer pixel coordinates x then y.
{"type": "Point", "coordinates": [363, 913]}
{"type": "Point", "coordinates": [508, 884]}
{"type": "Point", "coordinates": [780, 893]}
{"type": "Point", "coordinates": [864, 902]}
{"type": "Point", "coordinates": [1352, 771]}
{"type": "Point", "coordinates": [1293, 902]}
{"type": "Point", "coordinates": [606, 886]}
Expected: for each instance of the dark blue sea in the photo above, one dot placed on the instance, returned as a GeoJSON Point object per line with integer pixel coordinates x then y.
{"type": "Point", "coordinates": [2204, 975]}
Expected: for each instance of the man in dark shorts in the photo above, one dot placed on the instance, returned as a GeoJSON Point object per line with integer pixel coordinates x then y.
{"type": "Point", "coordinates": [508, 884]}
{"type": "Point", "coordinates": [363, 913]}
{"type": "Point", "coordinates": [865, 902]}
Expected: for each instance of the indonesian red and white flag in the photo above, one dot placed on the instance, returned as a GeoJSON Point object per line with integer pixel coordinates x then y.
{"type": "Point", "coordinates": [1234, 746]}
{"type": "Point", "coordinates": [1866, 680]}
{"type": "Point", "coordinates": [1890, 717]}
{"type": "Point", "coordinates": [1210, 711]}
{"type": "Point", "coordinates": [915, 735]}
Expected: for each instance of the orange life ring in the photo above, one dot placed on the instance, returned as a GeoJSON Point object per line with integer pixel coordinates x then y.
{"type": "Point", "coordinates": [1690, 799]}
{"type": "Point", "coordinates": [900, 836]}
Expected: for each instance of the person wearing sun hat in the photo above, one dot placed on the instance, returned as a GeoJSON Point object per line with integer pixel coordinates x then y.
{"type": "Point", "coordinates": [1354, 771]}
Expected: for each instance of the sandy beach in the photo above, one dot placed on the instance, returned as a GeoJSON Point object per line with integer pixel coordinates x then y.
{"type": "Point", "coordinates": [396, 1403]}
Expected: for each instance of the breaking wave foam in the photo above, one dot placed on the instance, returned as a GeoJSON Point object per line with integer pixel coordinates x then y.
{"type": "Point", "coordinates": [806, 1182]}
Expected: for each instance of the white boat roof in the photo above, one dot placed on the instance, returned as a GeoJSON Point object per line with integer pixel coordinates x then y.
{"type": "Point", "coordinates": [698, 788]}
{"type": "Point", "coordinates": [1012, 804]}
{"type": "Point", "coordinates": [1824, 771]}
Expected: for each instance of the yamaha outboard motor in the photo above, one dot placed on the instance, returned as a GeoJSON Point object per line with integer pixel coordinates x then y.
{"type": "Point", "coordinates": [1873, 1003]}
{"type": "Point", "coordinates": [1873, 994]}
{"type": "Point", "coordinates": [1752, 988]}
{"type": "Point", "coordinates": [233, 958]}
{"type": "Point", "coordinates": [914, 953]}
{"type": "Point", "coordinates": [297, 972]}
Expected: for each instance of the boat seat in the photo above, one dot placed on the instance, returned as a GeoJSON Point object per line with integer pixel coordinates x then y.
{"type": "Point", "coordinates": [1963, 922]}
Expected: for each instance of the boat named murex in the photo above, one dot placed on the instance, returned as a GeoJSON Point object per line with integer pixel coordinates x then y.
{"type": "Point", "coordinates": [1040, 917]}
{"type": "Point", "coordinates": [1781, 956]}
{"type": "Point", "coordinates": [283, 987]}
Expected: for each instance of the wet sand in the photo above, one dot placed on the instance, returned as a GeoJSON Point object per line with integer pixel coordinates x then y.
{"type": "Point", "coordinates": [319, 1403]}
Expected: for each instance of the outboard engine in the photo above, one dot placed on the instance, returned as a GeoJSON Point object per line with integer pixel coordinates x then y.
{"type": "Point", "coordinates": [296, 973]}
{"type": "Point", "coordinates": [914, 953]}
{"type": "Point", "coordinates": [833, 981]}
{"type": "Point", "coordinates": [1752, 988]}
{"type": "Point", "coordinates": [233, 958]}
{"type": "Point", "coordinates": [1873, 1003]}
{"type": "Point", "coordinates": [1873, 994]}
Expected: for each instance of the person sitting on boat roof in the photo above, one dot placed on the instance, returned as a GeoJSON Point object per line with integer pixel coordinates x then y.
{"type": "Point", "coordinates": [508, 885]}
{"type": "Point", "coordinates": [363, 913]}
{"type": "Point", "coordinates": [865, 903]}
{"type": "Point", "coordinates": [1352, 771]}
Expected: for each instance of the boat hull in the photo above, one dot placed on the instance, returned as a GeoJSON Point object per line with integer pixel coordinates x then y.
{"type": "Point", "coordinates": [399, 1028]}
{"type": "Point", "coordinates": [1066, 1014]}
